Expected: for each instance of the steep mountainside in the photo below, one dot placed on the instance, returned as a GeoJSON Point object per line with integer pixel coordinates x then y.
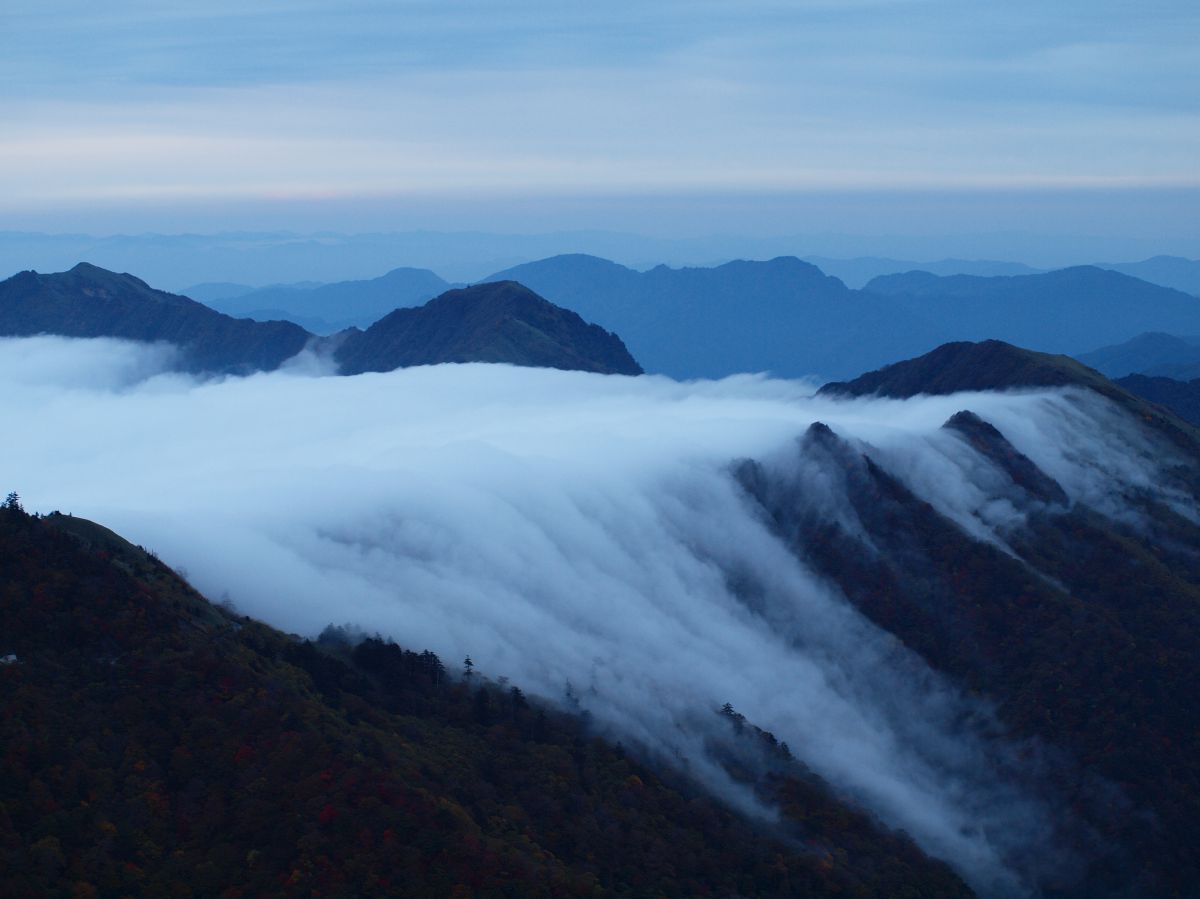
{"type": "Point", "coordinates": [1074, 622]}
{"type": "Point", "coordinates": [90, 302]}
{"type": "Point", "coordinates": [152, 744]}
{"type": "Point", "coordinates": [1067, 311]}
{"type": "Point", "coordinates": [343, 304]}
{"type": "Point", "coordinates": [784, 316]}
{"type": "Point", "coordinates": [494, 322]}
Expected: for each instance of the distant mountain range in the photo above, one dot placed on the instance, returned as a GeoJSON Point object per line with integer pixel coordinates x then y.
{"type": "Point", "coordinates": [1161, 368]}
{"type": "Point", "coordinates": [327, 308]}
{"type": "Point", "coordinates": [787, 317]}
{"type": "Point", "coordinates": [857, 272]}
{"type": "Point", "coordinates": [176, 261]}
{"type": "Point", "coordinates": [1169, 271]}
{"type": "Point", "coordinates": [489, 323]}
{"type": "Point", "coordinates": [1066, 311]}
{"type": "Point", "coordinates": [784, 316]}
{"type": "Point", "coordinates": [1155, 354]}
{"type": "Point", "coordinates": [1165, 271]}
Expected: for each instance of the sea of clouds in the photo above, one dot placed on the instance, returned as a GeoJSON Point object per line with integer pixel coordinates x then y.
{"type": "Point", "coordinates": [565, 527]}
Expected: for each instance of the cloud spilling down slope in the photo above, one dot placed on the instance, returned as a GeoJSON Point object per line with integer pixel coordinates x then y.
{"type": "Point", "coordinates": [599, 537]}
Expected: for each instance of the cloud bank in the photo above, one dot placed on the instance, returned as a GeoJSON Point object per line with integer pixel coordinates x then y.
{"type": "Point", "coordinates": [562, 527]}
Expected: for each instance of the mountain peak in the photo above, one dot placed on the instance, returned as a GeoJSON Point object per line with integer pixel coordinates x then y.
{"type": "Point", "coordinates": [995, 365]}
{"type": "Point", "coordinates": [495, 321]}
{"type": "Point", "coordinates": [87, 268]}
{"type": "Point", "coordinates": [984, 437]}
{"type": "Point", "coordinates": [962, 366]}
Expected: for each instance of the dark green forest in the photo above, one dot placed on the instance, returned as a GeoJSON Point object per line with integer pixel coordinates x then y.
{"type": "Point", "coordinates": [155, 744]}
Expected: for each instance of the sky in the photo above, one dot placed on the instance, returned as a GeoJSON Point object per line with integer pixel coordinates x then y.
{"type": "Point", "coordinates": [664, 117]}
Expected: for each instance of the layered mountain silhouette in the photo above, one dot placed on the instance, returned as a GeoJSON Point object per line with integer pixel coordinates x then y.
{"type": "Point", "coordinates": [1166, 271]}
{"type": "Point", "coordinates": [858, 271]}
{"type": "Point", "coordinates": [1067, 311]}
{"type": "Point", "coordinates": [495, 322]}
{"type": "Point", "coordinates": [1169, 271]}
{"type": "Point", "coordinates": [1155, 354]}
{"type": "Point", "coordinates": [785, 316]}
{"type": "Point", "coordinates": [487, 323]}
{"type": "Point", "coordinates": [332, 307]}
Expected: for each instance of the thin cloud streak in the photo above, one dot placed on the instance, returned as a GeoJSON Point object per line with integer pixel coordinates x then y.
{"type": "Point", "coordinates": [267, 101]}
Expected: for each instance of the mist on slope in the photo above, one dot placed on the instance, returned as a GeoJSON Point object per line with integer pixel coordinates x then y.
{"type": "Point", "coordinates": [562, 527]}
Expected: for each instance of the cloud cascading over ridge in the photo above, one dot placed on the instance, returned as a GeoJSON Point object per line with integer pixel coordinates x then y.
{"type": "Point", "coordinates": [562, 527]}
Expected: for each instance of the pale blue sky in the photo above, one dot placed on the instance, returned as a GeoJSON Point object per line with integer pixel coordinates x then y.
{"type": "Point", "coordinates": [158, 117]}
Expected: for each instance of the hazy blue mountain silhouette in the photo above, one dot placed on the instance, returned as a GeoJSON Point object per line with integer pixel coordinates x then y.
{"type": "Point", "coordinates": [1070, 310]}
{"type": "Point", "coordinates": [1169, 271]}
{"type": "Point", "coordinates": [784, 316]}
{"type": "Point", "coordinates": [212, 292]}
{"type": "Point", "coordinates": [787, 317]}
{"type": "Point", "coordinates": [1153, 354]}
{"type": "Point", "coordinates": [860, 270]}
{"type": "Point", "coordinates": [342, 304]}
{"type": "Point", "coordinates": [1165, 271]}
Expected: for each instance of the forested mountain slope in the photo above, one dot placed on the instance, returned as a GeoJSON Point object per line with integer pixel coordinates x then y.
{"type": "Point", "coordinates": [153, 744]}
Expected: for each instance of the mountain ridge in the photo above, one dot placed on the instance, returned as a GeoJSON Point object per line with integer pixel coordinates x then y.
{"type": "Point", "coordinates": [784, 316]}
{"type": "Point", "coordinates": [520, 328]}
{"type": "Point", "coordinates": [89, 301]}
{"type": "Point", "coordinates": [787, 317]}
